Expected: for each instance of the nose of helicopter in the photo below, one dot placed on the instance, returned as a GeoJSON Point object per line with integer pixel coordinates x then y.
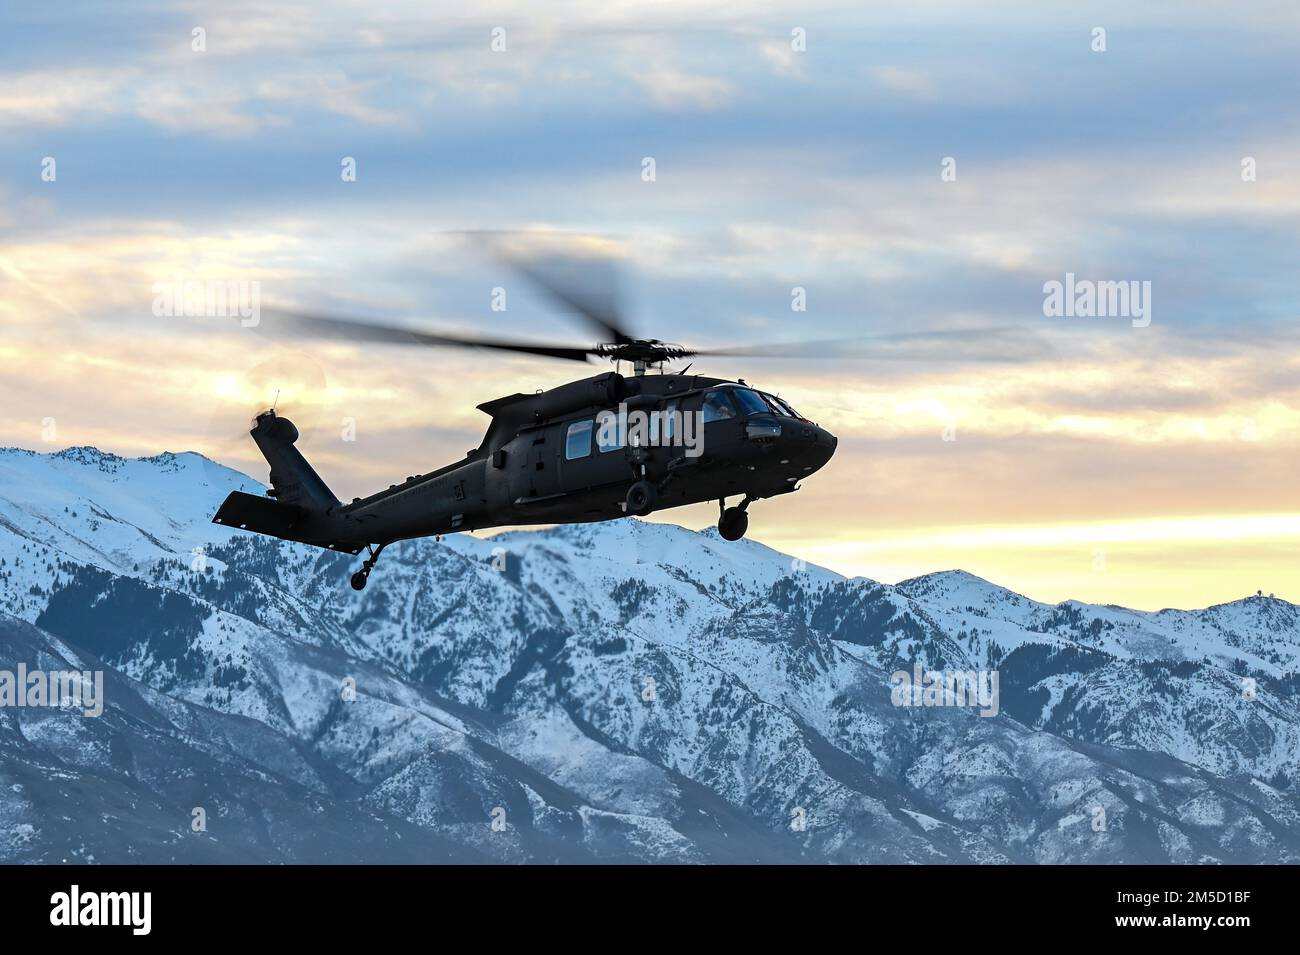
{"type": "Point", "coordinates": [805, 448]}
{"type": "Point", "coordinates": [820, 450]}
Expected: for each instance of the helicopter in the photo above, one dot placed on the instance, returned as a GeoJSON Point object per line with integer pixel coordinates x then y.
{"type": "Point", "coordinates": [597, 449]}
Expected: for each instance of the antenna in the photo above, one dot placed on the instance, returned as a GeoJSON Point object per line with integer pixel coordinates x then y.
{"type": "Point", "coordinates": [276, 401]}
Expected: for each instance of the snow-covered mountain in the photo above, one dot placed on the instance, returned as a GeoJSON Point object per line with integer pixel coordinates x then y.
{"type": "Point", "coordinates": [622, 691]}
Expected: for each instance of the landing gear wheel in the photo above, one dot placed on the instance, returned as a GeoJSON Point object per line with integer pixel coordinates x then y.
{"type": "Point", "coordinates": [361, 576]}
{"type": "Point", "coordinates": [733, 523]}
{"type": "Point", "coordinates": [641, 498]}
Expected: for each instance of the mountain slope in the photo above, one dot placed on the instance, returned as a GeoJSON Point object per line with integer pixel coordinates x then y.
{"type": "Point", "coordinates": [632, 691]}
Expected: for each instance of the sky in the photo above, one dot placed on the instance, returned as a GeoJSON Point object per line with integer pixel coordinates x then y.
{"type": "Point", "coordinates": [914, 168]}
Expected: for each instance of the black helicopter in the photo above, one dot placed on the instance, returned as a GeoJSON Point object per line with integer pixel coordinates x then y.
{"type": "Point", "coordinates": [597, 449]}
{"type": "Point", "coordinates": [601, 448]}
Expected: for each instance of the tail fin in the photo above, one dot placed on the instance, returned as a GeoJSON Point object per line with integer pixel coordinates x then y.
{"type": "Point", "coordinates": [302, 505]}
{"type": "Point", "coordinates": [292, 479]}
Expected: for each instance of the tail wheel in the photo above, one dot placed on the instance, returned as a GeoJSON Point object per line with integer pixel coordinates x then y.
{"type": "Point", "coordinates": [361, 576]}
{"type": "Point", "coordinates": [641, 498]}
{"type": "Point", "coordinates": [733, 523]}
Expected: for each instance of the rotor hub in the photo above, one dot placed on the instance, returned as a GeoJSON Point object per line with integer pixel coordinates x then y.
{"type": "Point", "coordinates": [641, 352]}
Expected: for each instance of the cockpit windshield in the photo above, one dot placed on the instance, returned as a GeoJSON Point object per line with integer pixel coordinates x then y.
{"type": "Point", "coordinates": [783, 404]}
{"type": "Point", "coordinates": [775, 404]}
{"type": "Point", "coordinates": [771, 403]}
{"type": "Point", "coordinates": [749, 402]}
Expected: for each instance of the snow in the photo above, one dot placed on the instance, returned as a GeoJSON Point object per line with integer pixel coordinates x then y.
{"type": "Point", "coordinates": [545, 662]}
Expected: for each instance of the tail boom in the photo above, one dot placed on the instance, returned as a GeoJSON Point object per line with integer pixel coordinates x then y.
{"type": "Point", "coordinates": [286, 521]}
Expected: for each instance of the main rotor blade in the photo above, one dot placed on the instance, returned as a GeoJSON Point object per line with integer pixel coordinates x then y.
{"type": "Point", "coordinates": [584, 297]}
{"type": "Point", "coordinates": [585, 285]}
{"type": "Point", "coordinates": [1009, 344]}
{"type": "Point", "coordinates": [353, 329]}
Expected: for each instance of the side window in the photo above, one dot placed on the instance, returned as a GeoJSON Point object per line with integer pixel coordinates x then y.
{"type": "Point", "coordinates": [717, 407]}
{"type": "Point", "coordinates": [577, 443]}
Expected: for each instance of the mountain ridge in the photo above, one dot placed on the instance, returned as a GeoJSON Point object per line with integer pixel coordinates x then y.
{"type": "Point", "coordinates": [86, 454]}
{"type": "Point", "coordinates": [625, 691]}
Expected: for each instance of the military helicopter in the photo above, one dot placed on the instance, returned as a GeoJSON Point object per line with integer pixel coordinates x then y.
{"type": "Point", "coordinates": [596, 449]}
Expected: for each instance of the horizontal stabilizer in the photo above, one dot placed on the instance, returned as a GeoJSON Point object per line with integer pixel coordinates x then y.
{"type": "Point", "coordinates": [285, 521]}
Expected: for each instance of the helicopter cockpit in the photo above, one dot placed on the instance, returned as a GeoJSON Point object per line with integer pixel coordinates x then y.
{"type": "Point", "coordinates": [746, 401]}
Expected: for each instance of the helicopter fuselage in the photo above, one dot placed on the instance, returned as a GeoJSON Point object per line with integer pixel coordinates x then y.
{"type": "Point", "coordinates": [592, 450]}
{"type": "Point", "coordinates": [570, 454]}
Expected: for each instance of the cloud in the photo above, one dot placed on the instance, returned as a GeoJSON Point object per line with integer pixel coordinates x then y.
{"type": "Point", "coordinates": [783, 58]}
{"type": "Point", "coordinates": [819, 170]}
{"type": "Point", "coordinates": [676, 89]}
{"type": "Point", "coordinates": [53, 97]}
{"type": "Point", "coordinates": [908, 82]}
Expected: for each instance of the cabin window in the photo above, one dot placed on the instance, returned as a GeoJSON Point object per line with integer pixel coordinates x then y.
{"type": "Point", "coordinates": [577, 443]}
{"type": "Point", "coordinates": [717, 407]}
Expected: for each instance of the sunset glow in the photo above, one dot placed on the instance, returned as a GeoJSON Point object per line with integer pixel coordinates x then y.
{"type": "Point", "coordinates": [1150, 466]}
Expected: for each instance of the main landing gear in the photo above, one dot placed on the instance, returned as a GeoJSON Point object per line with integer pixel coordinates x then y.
{"type": "Point", "coordinates": [733, 521]}
{"type": "Point", "coordinates": [641, 498]}
{"type": "Point", "coordinates": [361, 576]}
